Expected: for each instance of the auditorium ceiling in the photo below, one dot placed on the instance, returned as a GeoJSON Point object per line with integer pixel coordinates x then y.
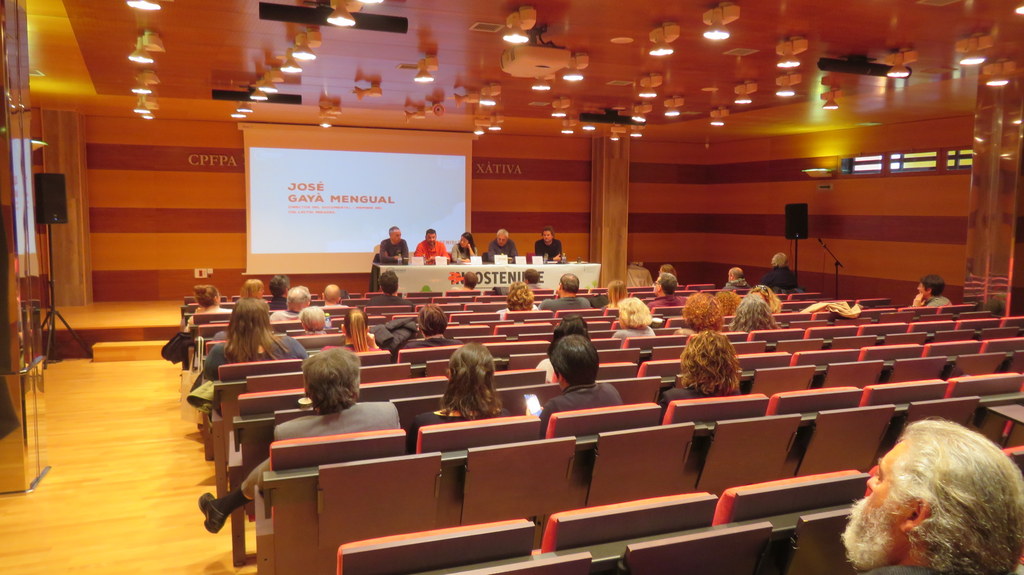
{"type": "Point", "coordinates": [79, 54]}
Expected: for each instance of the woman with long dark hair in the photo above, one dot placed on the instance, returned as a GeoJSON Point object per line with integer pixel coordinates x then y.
{"type": "Point", "coordinates": [250, 338]}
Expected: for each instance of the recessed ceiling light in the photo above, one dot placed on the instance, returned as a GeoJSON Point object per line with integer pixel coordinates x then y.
{"type": "Point", "coordinates": [621, 40]}
{"type": "Point", "coordinates": [869, 124]}
{"type": "Point", "coordinates": [709, 89]}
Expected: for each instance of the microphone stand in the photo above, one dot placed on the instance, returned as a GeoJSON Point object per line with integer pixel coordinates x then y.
{"type": "Point", "coordinates": [838, 264]}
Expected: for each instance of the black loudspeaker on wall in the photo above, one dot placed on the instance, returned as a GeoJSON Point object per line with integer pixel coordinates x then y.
{"type": "Point", "coordinates": [796, 221]}
{"type": "Point", "coordinates": [51, 199]}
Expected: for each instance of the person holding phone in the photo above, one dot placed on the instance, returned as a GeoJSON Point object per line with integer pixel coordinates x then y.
{"type": "Point", "coordinates": [575, 362]}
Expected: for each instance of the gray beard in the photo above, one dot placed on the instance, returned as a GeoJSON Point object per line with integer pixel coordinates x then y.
{"type": "Point", "coordinates": [868, 536]}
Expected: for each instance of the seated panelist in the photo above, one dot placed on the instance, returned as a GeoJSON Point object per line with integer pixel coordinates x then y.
{"type": "Point", "coordinates": [548, 247]}
{"type": "Point", "coordinates": [393, 249]}
{"type": "Point", "coordinates": [430, 249]}
{"type": "Point", "coordinates": [502, 245]}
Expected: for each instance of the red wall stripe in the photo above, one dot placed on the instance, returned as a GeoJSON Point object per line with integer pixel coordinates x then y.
{"type": "Point", "coordinates": [516, 222]}
{"type": "Point", "coordinates": [530, 169]}
{"type": "Point", "coordinates": [164, 158]}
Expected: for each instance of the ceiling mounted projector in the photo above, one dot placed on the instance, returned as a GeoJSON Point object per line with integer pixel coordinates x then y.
{"type": "Point", "coordinates": [859, 65]}
{"type": "Point", "coordinates": [609, 116]}
{"type": "Point", "coordinates": [533, 61]}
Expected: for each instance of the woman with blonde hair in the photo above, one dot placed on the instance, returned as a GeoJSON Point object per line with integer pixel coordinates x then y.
{"type": "Point", "coordinates": [519, 298]}
{"type": "Point", "coordinates": [752, 313]}
{"type": "Point", "coordinates": [768, 294]}
{"type": "Point", "coordinates": [616, 293]}
{"type": "Point", "coordinates": [357, 335]}
{"type": "Point", "coordinates": [250, 338]}
{"type": "Point", "coordinates": [634, 319]}
{"type": "Point", "coordinates": [708, 368]}
{"type": "Point", "coordinates": [252, 288]}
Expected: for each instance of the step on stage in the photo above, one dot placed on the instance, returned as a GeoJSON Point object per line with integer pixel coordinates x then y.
{"type": "Point", "coordinates": [119, 331]}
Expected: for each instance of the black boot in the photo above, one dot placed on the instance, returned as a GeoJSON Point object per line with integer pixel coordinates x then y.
{"type": "Point", "coordinates": [218, 510]}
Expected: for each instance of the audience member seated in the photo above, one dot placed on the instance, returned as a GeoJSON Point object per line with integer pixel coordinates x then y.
{"type": "Point", "coordinates": [708, 368]}
{"type": "Point", "coordinates": [531, 278]}
{"type": "Point", "coordinates": [929, 292]}
{"type": "Point", "coordinates": [469, 281]}
{"type": "Point", "coordinates": [702, 312]}
{"type": "Point", "coordinates": [501, 245]}
{"type": "Point", "coordinates": [430, 249]}
{"type": "Point", "coordinates": [465, 249]}
{"type": "Point", "coordinates": [572, 325]}
{"type": "Point", "coordinates": [314, 320]}
{"type": "Point", "coordinates": [575, 362]}
{"type": "Point", "coordinates": [334, 294]}
{"type": "Point", "coordinates": [279, 286]}
{"type": "Point", "coordinates": [728, 301]}
{"type": "Point", "coordinates": [547, 246]}
{"type": "Point", "coordinates": [768, 295]}
{"type": "Point", "coordinates": [298, 300]}
{"type": "Point", "coordinates": [207, 300]}
{"type": "Point", "coordinates": [389, 285]}
{"type": "Point", "coordinates": [519, 298]}
{"type": "Point", "coordinates": [665, 292]}
{"type": "Point", "coordinates": [668, 269]}
{"type": "Point", "coordinates": [752, 313]}
{"type": "Point", "coordinates": [250, 338]}
{"type": "Point", "coordinates": [432, 323]}
{"type": "Point", "coordinates": [469, 395]}
{"type": "Point", "coordinates": [357, 334]}
{"type": "Point", "coordinates": [634, 319]}
{"type": "Point", "coordinates": [780, 278]}
{"type": "Point", "coordinates": [568, 285]}
{"type": "Point", "coordinates": [252, 288]}
{"type": "Point", "coordinates": [616, 293]}
{"type": "Point", "coordinates": [393, 249]}
{"type": "Point", "coordinates": [736, 280]}
{"type": "Point", "coordinates": [944, 500]}
{"type": "Point", "coordinates": [332, 384]}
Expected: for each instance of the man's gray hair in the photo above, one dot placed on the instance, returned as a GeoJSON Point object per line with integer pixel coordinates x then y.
{"type": "Point", "coordinates": [298, 295]}
{"type": "Point", "coordinates": [393, 229]}
{"type": "Point", "coordinates": [975, 494]}
{"type": "Point", "coordinates": [502, 232]}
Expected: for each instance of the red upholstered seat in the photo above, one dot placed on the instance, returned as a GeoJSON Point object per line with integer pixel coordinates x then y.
{"type": "Point", "coordinates": [789, 495]}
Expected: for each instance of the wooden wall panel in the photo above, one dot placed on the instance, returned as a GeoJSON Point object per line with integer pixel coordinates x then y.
{"type": "Point", "coordinates": [530, 196]}
{"type": "Point", "coordinates": [142, 251]}
{"type": "Point", "coordinates": [111, 130]}
{"type": "Point", "coordinates": [138, 189]}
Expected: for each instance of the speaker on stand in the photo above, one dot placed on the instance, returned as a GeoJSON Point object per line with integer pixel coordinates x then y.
{"type": "Point", "coordinates": [52, 208]}
{"type": "Point", "coordinates": [796, 230]}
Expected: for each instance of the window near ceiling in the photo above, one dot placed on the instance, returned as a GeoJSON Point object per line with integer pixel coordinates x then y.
{"type": "Point", "coordinates": [913, 162]}
{"type": "Point", "coordinates": [862, 165]}
{"type": "Point", "coordinates": [959, 159]}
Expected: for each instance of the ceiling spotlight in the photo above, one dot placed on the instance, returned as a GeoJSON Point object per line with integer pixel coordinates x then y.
{"type": "Point", "coordinates": [427, 64]}
{"type": "Point", "coordinates": [494, 128]}
{"type": "Point", "coordinates": [785, 82]}
{"type": "Point", "coordinates": [743, 92]}
{"type": "Point", "coordinates": [717, 18]}
{"type": "Point", "coordinates": [579, 61]}
{"type": "Point", "coordinates": [636, 132]}
{"type": "Point", "coordinates": [899, 60]}
{"type": "Point", "coordinates": [560, 107]}
{"type": "Point", "coordinates": [265, 84]}
{"type": "Point", "coordinates": [372, 92]}
{"type": "Point", "coordinates": [151, 42]}
{"type": "Point", "coordinates": [258, 96]}
{"type": "Point", "coordinates": [524, 18]}
{"type": "Point", "coordinates": [494, 123]}
{"type": "Point", "coordinates": [788, 49]}
{"type": "Point", "coordinates": [972, 49]}
{"type": "Point", "coordinates": [718, 116]}
{"type": "Point", "coordinates": [559, 113]}
{"type": "Point", "coordinates": [589, 127]}
{"type": "Point", "coordinates": [566, 130]}
{"type": "Point", "coordinates": [998, 73]}
{"type": "Point", "coordinates": [567, 126]}
{"type": "Point", "coordinates": [662, 37]}
{"type": "Point", "coordinates": [541, 85]}
{"type": "Point", "coordinates": [829, 97]}
{"type": "Point", "coordinates": [291, 65]}
{"type": "Point", "coordinates": [244, 108]}
{"type": "Point", "coordinates": [489, 95]}
{"type": "Point", "coordinates": [673, 105]}
{"type": "Point", "coordinates": [640, 111]}
{"type": "Point", "coordinates": [147, 116]}
{"type": "Point", "coordinates": [1020, 9]}
{"type": "Point", "coordinates": [144, 4]}
{"type": "Point", "coordinates": [479, 131]}
{"type": "Point", "coordinates": [340, 16]}
{"type": "Point", "coordinates": [140, 55]}
{"type": "Point", "coordinates": [146, 79]}
{"type": "Point", "coordinates": [141, 106]}
{"type": "Point", "coordinates": [648, 84]}
{"type": "Point", "coordinates": [301, 50]}
{"type": "Point", "coordinates": [142, 88]}
{"type": "Point", "coordinates": [237, 115]}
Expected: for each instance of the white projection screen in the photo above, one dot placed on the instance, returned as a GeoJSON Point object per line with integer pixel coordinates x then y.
{"type": "Point", "coordinates": [320, 200]}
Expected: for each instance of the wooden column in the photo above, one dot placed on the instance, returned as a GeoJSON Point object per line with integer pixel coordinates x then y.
{"type": "Point", "coordinates": [64, 133]}
{"type": "Point", "coordinates": [609, 207]}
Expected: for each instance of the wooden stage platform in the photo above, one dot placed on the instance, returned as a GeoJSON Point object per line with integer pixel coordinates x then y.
{"type": "Point", "coordinates": [144, 323]}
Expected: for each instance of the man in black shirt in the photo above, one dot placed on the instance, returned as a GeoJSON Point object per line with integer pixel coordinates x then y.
{"type": "Point", "coordinates": [575, 362]}
{"type": "Point", "coordinates": [394, 250]}
{"type": "Point", "coordinates": [279, 286]}
{"type": "Point", "coordinates": [388, 285]}
{"type": "Point", "coordinates": [547, 246]}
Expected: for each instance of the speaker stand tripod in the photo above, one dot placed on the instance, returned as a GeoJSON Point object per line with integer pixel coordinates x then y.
{"type": "Point", "coordinates": [53, 314]}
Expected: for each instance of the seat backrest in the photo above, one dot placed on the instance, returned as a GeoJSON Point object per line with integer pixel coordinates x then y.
{"type": "Point", "coordinates": [599, 419]}
{"type": "Point", "coordinates": [269, 401]}
{"type": "Point", "coordinates": [603, 523]}
{"type": "Point", "coordinates": [607, 343]}
{"type": "Point", "coordinates": [458, 331]}
{"type": "Point", "coordinates": [752, 361]}
{"type": "Point", "coordinates": [479, 317]}
{"type": "Point", "coordinates": [1017, 455]}
{"type": "Point", "coordinates": [420, 355]}
{"type": "Point", "coordinates": [774, 380]}
{"type": "Point", "coordinates": [790, 495]}
{"type": "Point", "coordinates": [437, 548]}
{"type": "Point", "coordinates": [715, 408]}
{"type": "Point", "coordinates": [795, 345]}
{"type": "Point", "coordinates": [913, 337]}
{"type": "Point", "coordinates": [518, 377]}
{"type": "Point", "coordinates": [240, 371]}
{"type": "Point", "coordinates": [977, 364]}
{"type": "Point", "coordinates": [882, 328]}
{"type": "Point", "coordinates": [976, 324]}
{"type": "Point", "coordinates": [387, 372]}
{"type": "Point", "coordinates": [896, 317]}
{"type": "Point", "coordinates": [829, 332]}
{"type": "Point", "coordinates": [409, 407]}
{"type": "Point", "coordinates": [651, 341]}
{"type": "Point", "coordinates": [399, 388]}
{"type": "Point", "coordinates": [585, 312]}
{"type": "Point", "coordinates": [320, 341]}
{"type": "Point", "coordinates": [889, 352]}
{"type": "Point", "coordinates": [773, 335]}
{"type": "Point", "coordinates": [952, 348]}
{"type": "Point", "coordinates": [853, 341]}
{"type": "Point", "coordinates": [905, 392]}
{"type": "Point", "coordinates": [818, 546]}
{"type": "Point", "coordinates": [387, 309]}
{"type": "Point", "coordinates": [824, 357]}
{"type": "Point", "coordinates": [571, 564]}
{"type": "Point", "coordinates": [525, 360]}
{"type": "Point", "coordinates": [660, 353]}
{"type": "Point", "coordinates": [521, 316]}
{"type": "Point", "coordinates": [465, 434]}
{"type": "Point", "coordinates": [915, 368]}
{"type": "Point", "coordinates": [983, 385]}
{"type": "Point", "coordinates": [617, 370]}
{"type": "Point", "coordinates": [316, 451]}
{"type": "Point", "coordinates": [274, 381]}
{"type": "Point", "coordinates": [1013, 320]}
{"type": "Point", "coordinates": [743, 347]}
{"type": "Point", "coordinates": [957, 409]}
{"type": "Point", "coordinates": [811, 400]}
{"type": "Point", "coordinates": [501, 350]}
{"type": "Point", "coordinates": [367, 358]}
{"type": "Point", "coordinates": [1005, 345]}
{"type": "Point", "coordinates": [630, 355]}
{"type": "Point", "coordinates": [728, 551]}
{"type": "Point", "coordinates": [952, 335]}
{"type": "Point", "coordinates": [636, 389]}
{"type": "Point", "coordinates": [854, 373]}
{"type": "Point", "coordinates": [931, 326]}
{"type": "Point", "coordinates": [998, 332]}
{"type": "Point", "coordinates": [846, 439]}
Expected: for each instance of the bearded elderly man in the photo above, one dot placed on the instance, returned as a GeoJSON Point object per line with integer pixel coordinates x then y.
{"type": "Point", "coordinates": [944, 501]}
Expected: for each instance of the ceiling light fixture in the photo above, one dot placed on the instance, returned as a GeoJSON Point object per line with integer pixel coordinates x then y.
{"type": "Point", "coordinates": [489, 95]}
{"type": "Point", "coordinates": [237, 115]}
{"type": "Point", "coordinates": [662, 37]}
{"type": "Point", "coordinates": [151, 42]}
{"type": "Point", "coordinates": [1020, 9]}
{"type": "Point", "coordinates": [258, 96]}
{"type": "Point", "coordinates": [427, 64]}
{"type": "Point", "coordinates": [589, 127]}
{"type": "Point", "coordinates": [541, 85]}
{"type": "Point", "coordinates": [301, 50]}
{"type": "Point", "coordinates": [998, 73]}
{"type": "Point", "coordinates": [640, 111]}
{"type": "Point", "coordinates": [291, 65]}
{"type": "Point", "coordinates": [140, 55]}
{"type": "Point", "coordinates": [743, 92]}
{"type": "Point", "coordinates": [673, 105]}
{"type": "Point", "coordinates": [560, 107]}
{"type": "Point", "coordinates": [468, 98]}
{"type": "Point", "coordinates": [141, 106]}
{"type": "Point", "coordinates": [578, 62]}
{"type": "Point", "coordinates": [972, 49]}
{"type": "Point", "coordinates": [518, 22]}
{"type": "Point", "coordinates": [615, 132]}
{"type": "Point", "coordinates": [340, 16]}
{"type": "Point", "coordinates": [266, 85]}
{"type": "Point", "coordinates": [830, 99]}
{"type": "Point", "coordinates": [785, 82]}
{"type": "Point", "coordinates": [636, 131]}
{"type": "Point", "coordinates": [146, 79]}
{"type": "Point", "coordinates": [144, 4]}
{"type": "Point", "coordinates": [899, 60]}
{"type": "Point", "coordinates": [788, 49]}
{"type": "Point", "coordinates": [373, 91]}
{"type": "Point", "coordinates": [567, 126]}
{"type": "Point", "coordinates": [718, 116]}
{"type": "Point", "coordinates": [648, 84]}
{"type": "Point", "coordinates": [244, 108]}
{"type": "Point", "coordinates": [717, 18]}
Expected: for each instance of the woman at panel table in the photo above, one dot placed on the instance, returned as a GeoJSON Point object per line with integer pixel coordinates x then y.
{"type": "Point", "coordinates": [470, 393]}
{"type": "Point", "coordinates": [465, 249]}
{"type": "Point", "coordinates": [250, 338]}
{"type": "Point", "coordinates": [708, 368]}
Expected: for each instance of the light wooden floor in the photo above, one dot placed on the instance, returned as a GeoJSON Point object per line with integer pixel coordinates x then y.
{"type": "Point", "coordinates": [127, 471]}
